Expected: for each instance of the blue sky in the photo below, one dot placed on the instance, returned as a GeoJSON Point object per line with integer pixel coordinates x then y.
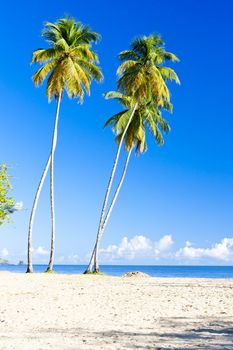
{"type": "Point", "coordinates": [178, 197]}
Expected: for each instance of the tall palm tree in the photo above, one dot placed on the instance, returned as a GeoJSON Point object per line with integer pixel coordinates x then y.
{"type": "Point", "coordinates": [142, 76]}
{"type": "Point", "coordinates": [69, 63]}
{"type": "Point", "coordinates": [147, 115]}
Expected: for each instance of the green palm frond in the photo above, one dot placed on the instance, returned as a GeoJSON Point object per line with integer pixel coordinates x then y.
{"type": "Point", "coordinates": [43, 72]}
{"type": "Point", "coordinates": [93, 70]}
{"type": "Point", "coordinates": [171, 57]}
{"type": "Point", "coordinates": [114, 94]}
{"type": "Point", "coordinates": [70, 61]}
{"type": "Point", "coordinates": [123, 99]}
{"type": "Point", "coordinates": [112, 121]}
{"type": "Point", "coordinates": [147, 115]}
{"type": "Point", "coordinates": [139, 46]}
{"type": "Point", "coordinates": [122, 121]}
{"type": "Point", "coordinates": [127, 65]}
{"type": "Point", "coordinates": [142, 74]}
{"type": "Point", "coordinates": [167, 106]}
{"type": "Point", "coordinates": [74, 80]}
{"type": "Point", "coordinates": [55, 83]}
{"type": "Point", "coordinates": [44, 55]}
{"type": "Point", "coordinates": [86, 35]}
{"type": "Point", "coordinates": [51, 33]}
{"type": "Point", "coordinates": [153, 127]}
{"type": "Point", "coordinates": [62, 45]}
{"type": "Point", "coordinates": [128, 55]}
{"type": "Point", "coordinates": [134, 83]}
{"type": "Point", "coordinates": [169, 74]}
{"type": "Point", "coordinates": [85, 52]}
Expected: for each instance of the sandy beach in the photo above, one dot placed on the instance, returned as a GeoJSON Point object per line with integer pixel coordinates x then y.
{"type": "Point", "coordinates": [72, 312]}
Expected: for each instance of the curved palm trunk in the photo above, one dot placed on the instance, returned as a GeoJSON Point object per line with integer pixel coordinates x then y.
{"type": "Point", "coordinates": [96, 247]}
{"type": "Point", "coordinates": [96, 260]}
{"type": "Point", "coordinates": [54, 142]}
{"type": "Point", "coordinates": [89, 268]}
{"type": "Point", "coordinates": [111, 206]}
{"type": "Point", "coordinates": [116, 193]}
{"type": "Point", "coordinates": [33, 212]}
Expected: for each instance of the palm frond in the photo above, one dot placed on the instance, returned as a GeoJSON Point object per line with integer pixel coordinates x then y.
{"type": "Point", "coordinates": [155, 130]}
{"type": "Point", "coordinates": [127, 65]}
{"type": "Point", "coordinates": [171, 57]}
{"type": "Point", "coordinates": [55, 83]}
{"type": "Point", "coordinates": [114, 119]}
{"type": "Point", "coordinates": [84, 52]}
{"type": "Point", "coordinates": [83, 77]}
{"type": "Point", "coordinates": [169, 74]}
{"type": "Point", "coordinates": [128, 55]}
{"type": "Point", "coordinates": [126, 101]}
{"type": "Point", "coordinates": [43, 72]}
{"type": "Point", "coordinates": [44, 55]}
{"type": "Point", "coordinates": [91, 68]}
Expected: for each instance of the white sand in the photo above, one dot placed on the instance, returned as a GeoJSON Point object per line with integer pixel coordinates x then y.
{"type": "Point", "coordinates": [73, 312]}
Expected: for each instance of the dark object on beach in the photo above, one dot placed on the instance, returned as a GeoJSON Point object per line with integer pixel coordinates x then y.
{"type": "Point", "coordinates": [136, 274]}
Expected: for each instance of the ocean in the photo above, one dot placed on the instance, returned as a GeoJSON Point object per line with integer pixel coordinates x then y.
{"type": "Point", "coordinates": [119, 270]}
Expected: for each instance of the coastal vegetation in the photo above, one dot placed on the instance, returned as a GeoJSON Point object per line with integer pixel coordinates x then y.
{"type": "Point", "coordinates": [7, 203]}
{"type": "Point", "coordinates": [4, 261]}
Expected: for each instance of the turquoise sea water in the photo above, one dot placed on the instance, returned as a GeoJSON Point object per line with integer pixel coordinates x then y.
{"type": "Point", "coordinates": [155, 271]}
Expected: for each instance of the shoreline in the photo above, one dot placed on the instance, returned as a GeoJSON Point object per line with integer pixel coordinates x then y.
{"type": "Point", "coordinates": [157, 271]}
{"type": "Point", "coordinates": [56, 273]}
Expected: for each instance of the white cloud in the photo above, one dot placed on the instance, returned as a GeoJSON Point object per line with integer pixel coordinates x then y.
{"type": "Point", "coordinates": [137, 247]}
{"type": "Point", "coordinates": [40, 251]}
{"type": "Point", "coordinates": [143, 249]}
{"type": "Point", "coordinates": [128, 248]}
{"type": "Point", "coordinates": [164, 243]}
{"type": "Point", "coordinates": [220, 251]}
{"type": "Point", "coordinates": [4, 253]}
{"type": "Point", "coordinates": [188, 243]}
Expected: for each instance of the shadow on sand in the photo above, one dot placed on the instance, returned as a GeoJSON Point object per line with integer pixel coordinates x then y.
{"type": "Point", "coordinates": [186, 335]}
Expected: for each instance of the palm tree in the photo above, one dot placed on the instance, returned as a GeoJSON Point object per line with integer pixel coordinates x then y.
{"type": "Point", "coordinates": [69, 63]}
{"type": "Point", "coordinates": [148, 115]}
{"type": "Point", "coordinates": [142, 76]}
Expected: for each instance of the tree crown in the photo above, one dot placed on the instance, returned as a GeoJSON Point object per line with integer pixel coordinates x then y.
{"type": "Point", "coordinates": [142, 73]}
{"type": "Point", "coordinates": [69, 63]}
{"type": "Point", "coordinates": [147, 115]}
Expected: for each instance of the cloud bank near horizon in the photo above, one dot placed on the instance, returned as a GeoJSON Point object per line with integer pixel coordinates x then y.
{"type": "Point", "coordinates": [141, 250]}
{"type": "Point", "coordinates": [138, 247]}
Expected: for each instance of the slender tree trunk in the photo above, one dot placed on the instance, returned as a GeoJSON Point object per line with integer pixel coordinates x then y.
{"type": "Point", "coordinates": [89, 268]}
{"type": "Point", "coordinates": [33, 212]}
{"type": "Point", "coordinates": [54, 142]}
{"type": "Point", "coordinates": [110, 209]}
{"type": "Point", "coordinates": [116, 193]}
{"type": "Point", "coordinates": [96, 262]}
{"type": "Point", "coordinates": [96, 248]}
